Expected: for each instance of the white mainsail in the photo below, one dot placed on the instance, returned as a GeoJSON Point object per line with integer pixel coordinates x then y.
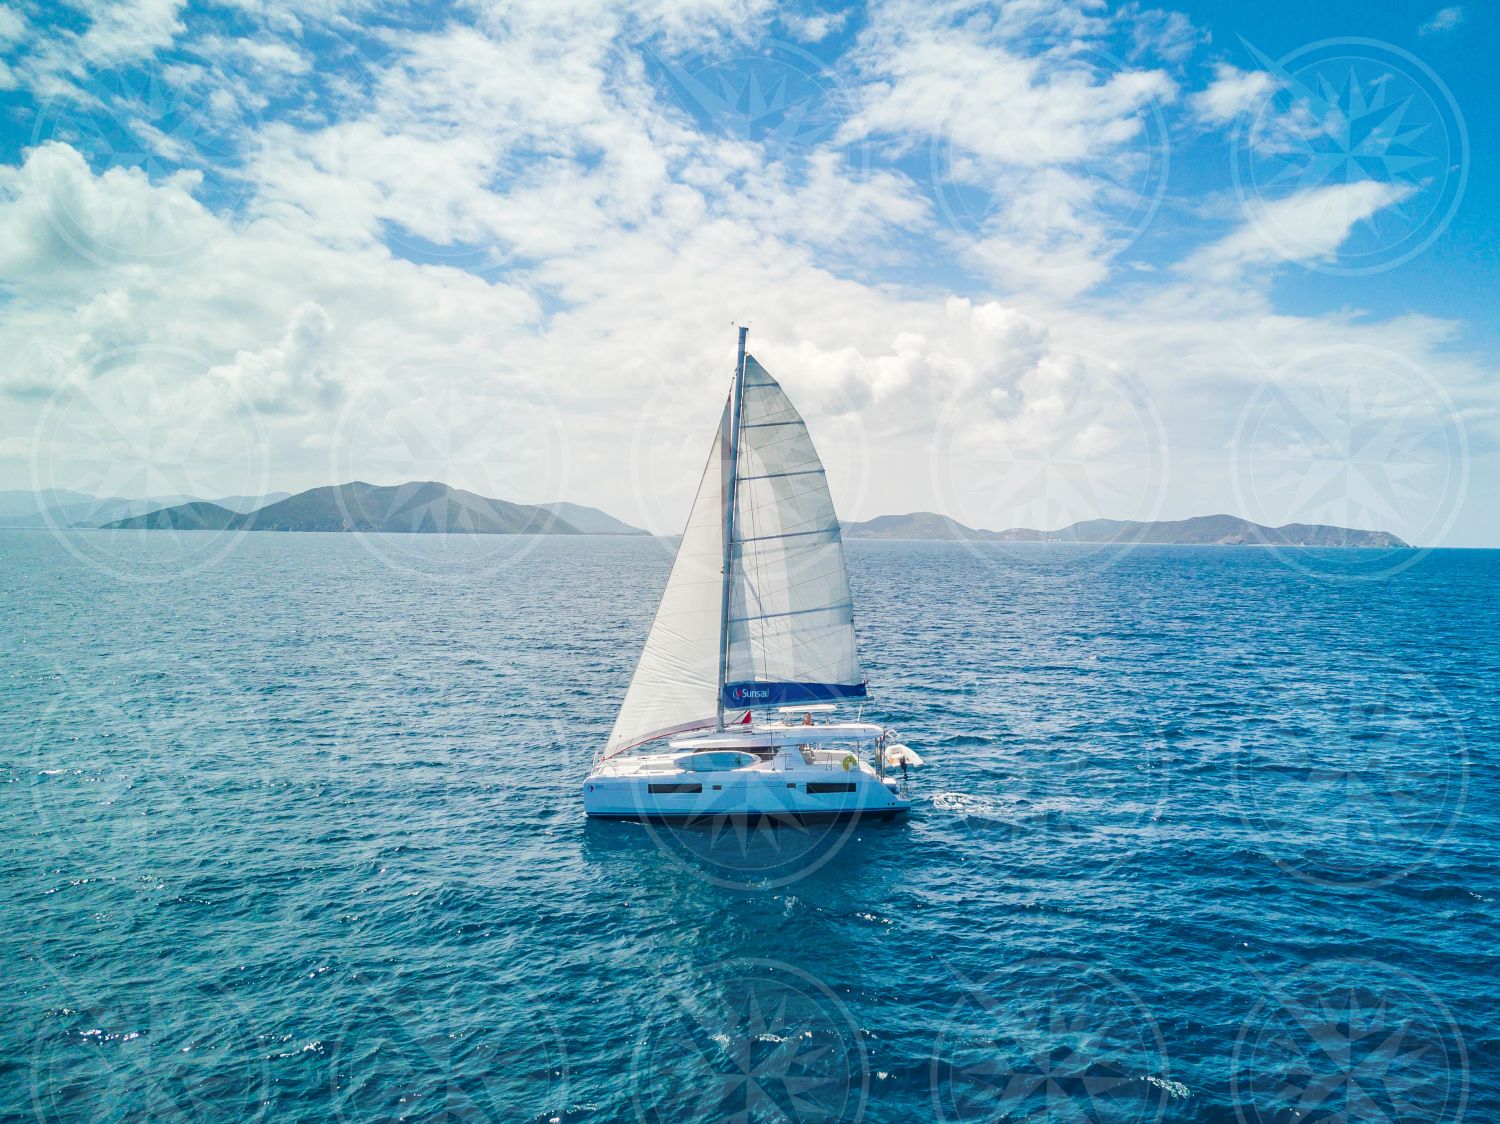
{"type": "Point", "coordinates": [783, 629]}
{"type": "Point", "coordinates": [791, 622]}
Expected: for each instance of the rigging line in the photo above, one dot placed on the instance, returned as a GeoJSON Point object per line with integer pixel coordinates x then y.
{"type": "Point", "coordinates": [813, 523]}
{"type": "Point", "coordinates": [802, 489]}
{"type": "Point", "coordinates": [804, 520]}
{"type": "Point", "coordinates": [789, 535]}
{"type": "Point", "coordinates": [786, 440]}
{"type": "Point", "coordinates": [810, 490]}
{"type": "Point", "coordinates": [783, 475]}
{"type": "Point", "coordinates": [798, 612]}
{"type": "Point", "coordinates": [803, 533]}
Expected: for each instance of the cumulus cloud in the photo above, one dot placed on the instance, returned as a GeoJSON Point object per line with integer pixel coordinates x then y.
{"type": "Point", "coordinates": [516, 241]}
{"type": "Point", "coordinates": [1231, 93]}
{"type": "Point", "coordinates": [294, 375]}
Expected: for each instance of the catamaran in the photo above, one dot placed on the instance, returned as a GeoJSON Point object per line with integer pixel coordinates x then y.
{"type": "Point", "coordinates": [756, 616]}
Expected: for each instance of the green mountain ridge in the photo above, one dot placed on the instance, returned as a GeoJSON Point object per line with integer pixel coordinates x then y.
{"type": "Point", "coordinates": [418, 507]}
{"type": "Point", "coordinates": [590, 520]}
{"type": "Point", "coordinates": [61, 508]}
{"type": "Point", "coordinates": [1201, 530]}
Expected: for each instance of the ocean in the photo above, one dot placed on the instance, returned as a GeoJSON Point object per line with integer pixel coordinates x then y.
{"type": "Point", "coordinates": [292, 831]}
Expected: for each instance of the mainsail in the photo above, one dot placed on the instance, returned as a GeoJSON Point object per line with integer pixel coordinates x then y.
{"type": "Point", "coordinates": [763, 617]}
{"type": "Point", "coordinates": [791, 622]}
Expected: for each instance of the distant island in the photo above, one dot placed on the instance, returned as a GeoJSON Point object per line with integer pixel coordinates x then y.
{"type": "Point", "coordinates": [1203, 530]}
{"type": "Point", "coordinates": [419, 507]}
{"type": "Point", "coordinates": [57, 507]}
{"type": "Point", "coordinates": [428, 506]}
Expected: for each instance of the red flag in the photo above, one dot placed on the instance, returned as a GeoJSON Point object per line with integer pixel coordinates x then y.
{"type": "Point", "coordinates": [745, 721]}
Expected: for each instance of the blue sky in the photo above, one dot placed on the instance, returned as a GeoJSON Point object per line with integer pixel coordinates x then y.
{"type": "Point", "coordinates": [1022, 263]}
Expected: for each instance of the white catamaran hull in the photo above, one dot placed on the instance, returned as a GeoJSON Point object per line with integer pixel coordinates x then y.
{"type": "Point", "coordinates": [795, 785]}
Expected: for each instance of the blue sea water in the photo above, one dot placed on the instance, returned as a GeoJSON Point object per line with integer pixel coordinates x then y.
{"type": "Point", "coordinates": [292, 831]}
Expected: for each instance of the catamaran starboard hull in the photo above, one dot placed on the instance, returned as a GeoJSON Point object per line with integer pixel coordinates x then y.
{"type": "Point", "coordinates": [666, 789]}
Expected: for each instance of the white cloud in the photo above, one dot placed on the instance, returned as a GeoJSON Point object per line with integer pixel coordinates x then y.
{"type": "Point", "coordinates": [1231, 93]}
{"type": "Point", "coordinates": [578, 258]}
{"type": "Point", "coordinates": [1444, 20]}
{"type": "Point", "coordinates": [1061, 146]}
{"type": "Point", "coordinates": [813, 28]}
{"type": "Point", "coordinates": [295, 375]}
{"type": "Point", "coordinates": [1162, 34]}
{"type": "Point", "coordinates": [1306, 227]}
{"type": "Point", "coordinates": [130, 29]}
{"type": "Point", "coordinates": [12, 27]}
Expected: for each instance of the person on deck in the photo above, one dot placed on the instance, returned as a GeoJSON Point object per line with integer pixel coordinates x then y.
{"type": "Point", "coordinates": [807, 718]}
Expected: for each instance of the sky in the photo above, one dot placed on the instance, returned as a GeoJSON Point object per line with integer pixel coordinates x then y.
{"type": "Point", "coordinates": [1021, 263]}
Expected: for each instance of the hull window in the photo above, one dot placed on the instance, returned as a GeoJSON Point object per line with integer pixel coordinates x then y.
{"type": "Point", "coordinates": [814, 788]}
{"type": "Point", "coordinates": [660, 788]}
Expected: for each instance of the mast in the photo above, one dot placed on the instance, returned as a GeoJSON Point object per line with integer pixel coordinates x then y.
{"type": "Point", "coordinates": [731, 468]}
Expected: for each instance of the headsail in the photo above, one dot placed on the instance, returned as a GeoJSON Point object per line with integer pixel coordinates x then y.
{"type": "Point", "coordinates": [786, 628]}
{"type": "Point", "coordinates": [791, 620]}
{"type": "Point", "coordinates": [675, 686]}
